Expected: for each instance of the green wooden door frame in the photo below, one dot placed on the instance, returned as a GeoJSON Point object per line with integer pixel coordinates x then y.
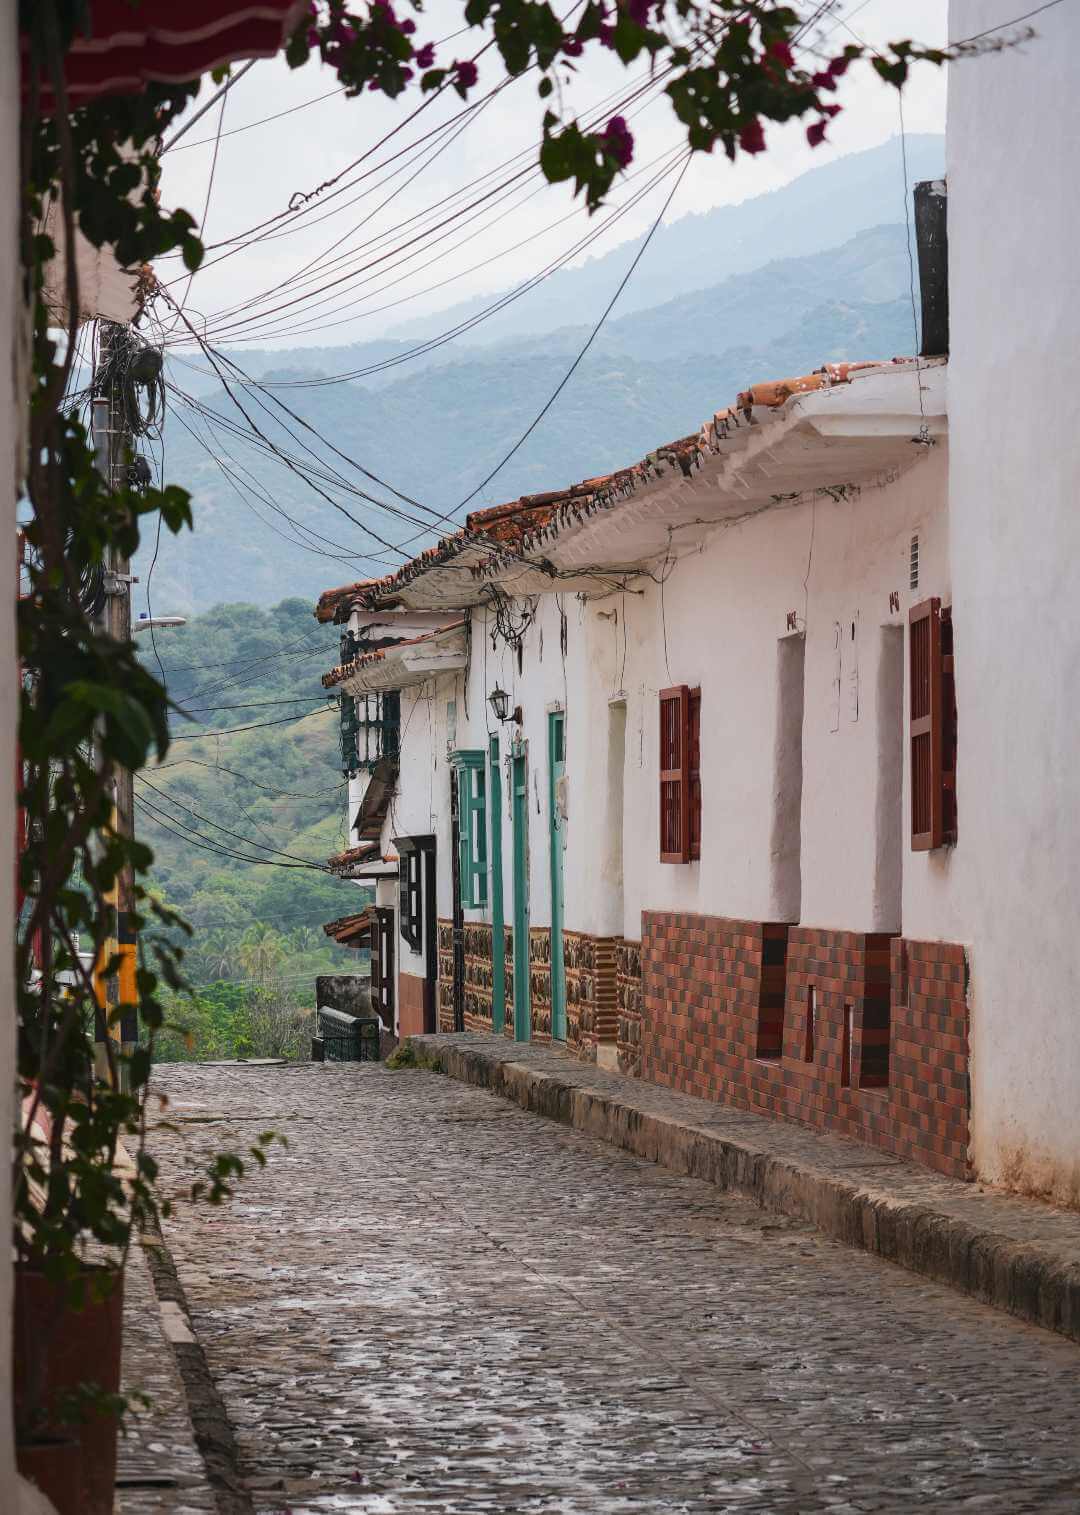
{"type": "Point", "coordinates": [498, 931]}
{"type": "Point", "coordinates": [520, 794]}
{"type": "Point", "coordinates": [556, 770]}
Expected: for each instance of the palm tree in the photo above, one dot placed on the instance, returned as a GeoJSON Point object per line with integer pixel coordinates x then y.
{"type": "Point", "coordinates": [217, 950]}
{"type": "Point", "coordinates": [260, 952]}
{"type": "Point", "coordinates": [304, 939]}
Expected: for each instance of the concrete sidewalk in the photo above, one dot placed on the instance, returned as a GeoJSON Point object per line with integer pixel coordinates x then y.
{"type": "Point", "coordinates": [1016, 1254]}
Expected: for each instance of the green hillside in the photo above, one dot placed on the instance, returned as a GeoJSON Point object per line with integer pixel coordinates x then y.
{"type": "Point", "coordinates": [233, 814]}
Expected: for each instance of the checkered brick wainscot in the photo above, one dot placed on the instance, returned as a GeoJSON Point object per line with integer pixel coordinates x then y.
{"type": "Point", "coordinates": [724, 1015]}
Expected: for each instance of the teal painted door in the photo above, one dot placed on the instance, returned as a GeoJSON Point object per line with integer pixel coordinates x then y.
{"type": "Point", "coordinates": [498, 933]}
{"type": "Point", "coordinates": [556, 825]}
{"type": "Point", "coordinates": [521, 899]}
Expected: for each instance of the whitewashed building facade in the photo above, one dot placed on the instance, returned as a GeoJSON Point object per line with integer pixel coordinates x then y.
{"type": "Point", "coordinates": [748, 769]}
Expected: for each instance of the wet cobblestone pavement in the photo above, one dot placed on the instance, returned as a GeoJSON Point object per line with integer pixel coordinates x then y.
{"type": "Point", "coordinates": [433, 1301]}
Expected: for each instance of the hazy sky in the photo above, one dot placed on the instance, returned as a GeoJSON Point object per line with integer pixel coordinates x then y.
{"type": "Point", "coordinates": [380, 283]}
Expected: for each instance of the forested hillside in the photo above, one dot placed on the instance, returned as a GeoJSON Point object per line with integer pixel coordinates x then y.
{"type": "Point", "coordinates": [234, 814]}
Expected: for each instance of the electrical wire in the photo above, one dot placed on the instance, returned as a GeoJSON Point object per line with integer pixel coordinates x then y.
{"type": "Point", "coordinates": [299, 699]}
{"type": "Point", "coordinates": [291, 794]}
{"type": "Point", "coordinates": [557, 391]}
{"type": "Point", "coordinates": [251, 125]}
{"type": "Point", "coordinates": [207, 821]}
{"type": "Point", "coordinates": [214, 731]}
{"type": "Point", "coordinates": [195, 839]}
{"type": "Point", "coordinates": [643, 93]}
{"type": "Point", "coordinates": [217, 95]}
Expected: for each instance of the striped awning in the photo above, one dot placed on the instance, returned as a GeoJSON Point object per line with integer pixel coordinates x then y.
{"type": "Point", "coordinates": [166, 41]}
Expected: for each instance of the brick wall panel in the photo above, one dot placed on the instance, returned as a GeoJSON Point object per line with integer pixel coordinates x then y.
{"type": "Point", "coordinates": [692, 998]}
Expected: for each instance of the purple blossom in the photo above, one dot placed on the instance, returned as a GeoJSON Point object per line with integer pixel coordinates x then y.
{"type": "Point", "coordinates": [617, 141]}
{"type": "Point", "coordinates": [752, 137]}
{"type": "Point", "coordinates": [425, 56]}
{"type": "Point", "coordinates": [465, 73]}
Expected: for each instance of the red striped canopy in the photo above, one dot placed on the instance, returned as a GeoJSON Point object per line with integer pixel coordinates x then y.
{"type": "Point", "coordinates": [132, 42]}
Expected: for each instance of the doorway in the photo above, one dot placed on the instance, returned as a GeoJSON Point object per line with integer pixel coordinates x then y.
{"type": "Point", "coordinates": [556, 839]}
{"type": "Point", "coordinates": [520, 797]}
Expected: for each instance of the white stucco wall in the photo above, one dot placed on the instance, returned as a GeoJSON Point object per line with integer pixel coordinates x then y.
{"type": "Point", "coordinates": [9, 307]}
{"type": "Point", "coordinates": [832, 562]}
{"type": "Point", "coordinates": [581, 686]}
{"type": "Point", "coordinates": [1014, 227]}
{"type": "Point", "coordinates": [722, 617]}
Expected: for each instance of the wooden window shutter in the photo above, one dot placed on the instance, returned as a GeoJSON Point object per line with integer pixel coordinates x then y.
{"type": "Point", "coordinates": [693, 765]}
{"type": "Point", "coordinates": [479, 834]}
{"type": "Point", "coordinates": [674, 775]}
{"type": "Point", "coordinates": [464, 783]}
{"type": "Point", "coordinates": [472, 828]}
{"type": "Point", "coordinates": [925, 706]}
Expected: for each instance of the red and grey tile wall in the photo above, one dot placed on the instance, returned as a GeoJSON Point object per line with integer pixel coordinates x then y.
{"type": "Point", "coordinates": [724, 1011]}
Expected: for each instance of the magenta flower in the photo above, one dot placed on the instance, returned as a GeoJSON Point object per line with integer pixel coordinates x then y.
{"type": "Point", "coordinates": [752, 137]}
{"type": "Point", "coordinates": [783, 54]}
{"type": "Point", "coordinates": [617, 141]}
{"type": "Point", "coordinates": [815, 133]}
{"type": "Point", "coordinates": [425, 56]}
{"type": "Point", "coordinates": [465, 73]}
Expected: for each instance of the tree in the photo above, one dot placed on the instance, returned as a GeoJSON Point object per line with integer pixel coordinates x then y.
{"type": "Point", "coordinates": [218, 951]}
{"type": "Point", "coordinates": [260, 952]}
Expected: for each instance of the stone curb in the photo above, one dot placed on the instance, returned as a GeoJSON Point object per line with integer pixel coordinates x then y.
{"type": "Point", "coordinates": [210, 1423]}
{"type": "Point", "coordinates": [1032, 1282]}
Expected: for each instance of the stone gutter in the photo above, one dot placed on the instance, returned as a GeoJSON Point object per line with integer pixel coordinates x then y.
{"type": "Point", "coordinates": [1015, 1254]}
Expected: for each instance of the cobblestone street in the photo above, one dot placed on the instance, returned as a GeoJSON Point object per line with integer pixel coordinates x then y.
{"type": "Point", "coordinates": [433, 1301]}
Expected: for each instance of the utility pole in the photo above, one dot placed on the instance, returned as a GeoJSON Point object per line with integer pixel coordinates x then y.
{"type": "Point", "coordinates": [112, 444]}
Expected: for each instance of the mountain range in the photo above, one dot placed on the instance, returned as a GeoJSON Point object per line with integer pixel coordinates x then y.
{"type": "Point", "coordinates": [817, 271]}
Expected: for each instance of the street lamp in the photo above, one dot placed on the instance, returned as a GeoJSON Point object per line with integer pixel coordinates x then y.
{"type": "Point", "coordinates": [156, 622]}
{"type": "Point", "coordinates": [499, 701]}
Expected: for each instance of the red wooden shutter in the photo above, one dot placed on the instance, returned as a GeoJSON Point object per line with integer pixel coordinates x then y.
{"type": "Point", "coordinates": [693, 765]}
{"type": "Point", "coordinates": [948, 726]}
{"type": "Point", "coordinates": [674, 775]}
{"type": "Point", "coordinates": [925, 708]}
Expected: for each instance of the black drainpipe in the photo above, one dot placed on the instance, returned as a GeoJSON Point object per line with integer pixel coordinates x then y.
{"type": "Point", "coordinates": [932, 241]}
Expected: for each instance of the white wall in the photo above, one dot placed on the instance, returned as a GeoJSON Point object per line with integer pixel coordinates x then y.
{"type": "Point", "coordinates": [1014, 229]}
{"type": "Point", "coordinates": [723, 611]}
{"type": "Point", "coordinates": [832, 562]}
{"type": "Point", "coordinates": [10, 400]}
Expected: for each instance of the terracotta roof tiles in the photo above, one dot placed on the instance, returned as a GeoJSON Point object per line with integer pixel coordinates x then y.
{"type": "Point", "coordinates": [365, 659]}
{"type": "Point", "coordinates": [522, 524]}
